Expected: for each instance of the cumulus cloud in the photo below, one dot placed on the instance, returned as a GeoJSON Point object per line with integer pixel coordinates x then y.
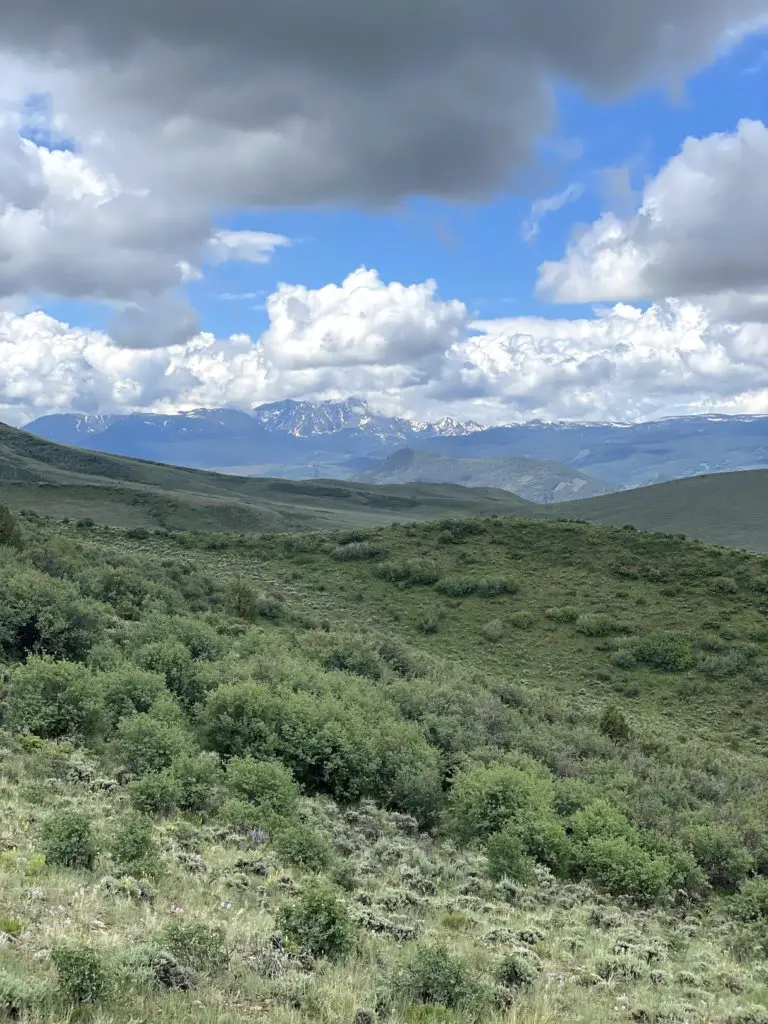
{"type": "Point", "coordinates": [701, 230]}
{"type": "Point", "coordinates": [68, 230]}
{"type": "Point", "coordinates": [410, 351]}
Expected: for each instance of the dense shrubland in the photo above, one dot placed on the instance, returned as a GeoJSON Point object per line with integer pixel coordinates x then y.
{"type": "Point", "coordinates": [369, 799]}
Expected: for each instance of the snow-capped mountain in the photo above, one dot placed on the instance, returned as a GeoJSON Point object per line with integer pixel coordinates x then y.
{"type": "Point", "coordinates": [311, 419]}
{"type": "Point", "coordinates": [345, 438]}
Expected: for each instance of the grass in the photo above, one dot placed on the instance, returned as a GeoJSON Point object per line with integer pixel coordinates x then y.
{"type": "Point", "coordinates": [588, 703]}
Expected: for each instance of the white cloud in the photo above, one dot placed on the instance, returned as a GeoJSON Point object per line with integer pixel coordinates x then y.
{"type": "Point", "coordinates": [549, 204]}
{"type": "Point", "coordinates": [244, 246]}
{"type": "Point", "coordinates": [408, 351]}
{"type": "Point", "coordinates": [701, 230]}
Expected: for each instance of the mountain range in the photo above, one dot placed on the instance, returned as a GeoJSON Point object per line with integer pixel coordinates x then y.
{"type": "Point", "coordinates": [344, 439]}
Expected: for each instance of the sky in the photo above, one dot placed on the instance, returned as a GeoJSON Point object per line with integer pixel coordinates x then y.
{"type": "Point", "coordinates": [497, 210]}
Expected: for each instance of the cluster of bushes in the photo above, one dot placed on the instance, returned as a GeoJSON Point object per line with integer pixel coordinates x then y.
{"type": "Point", "coordinates": [195, 704]}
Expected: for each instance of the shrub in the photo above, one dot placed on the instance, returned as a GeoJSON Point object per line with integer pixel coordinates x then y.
{"type": "Point", "coordinates": [352, 654]}
{"type": "Point", "coordinates": [597, 624]}
{"type": "Point", "coordinates": [507, 858]}
{"type": "Point", "coordinates": [493, 630]}
{"type": "Point", "coordinates": [519, 969]}
{"type": "Point", "coordinates": [484, 798]}
{"type": "Point", "coordinates": [53, 699]}
{"type": "Point", "coordinates": [357, 551]}
{"type": "Point", "coordinates": [493, 586]}
{"type": "Point", "coordinates": [751, 901]}
{"type": "Point", "coordinates": [522, 619]}
{"type": "Point", "coordinates": [83, 973]}
{"type": "Point", "coordinates": [171, 659]}
{"type": "Point", "coordinates": [196, 945]}
{"type": "Point", "coordinates": [614, 724]}
{"type": "Point", "coordinates": [719, 850]}
{"type": "Point", "coordinates": [155, 793]}
{"type": "Point", "coordinates": [10, 533]}
{"type": "Point", "coordinates": [197, 777]}
{"type": "Point", "coordinates": [411, 572]}
{"type": "Point", "coordinates": [665, 651]}
{"type": "Point", "coordinates": [304, 847]}
{"type": "Point", "coordinates": [562, 614]}
{"type": "Point", "coordinates": [19, 996]}
{"type": "Point", "coordinates": [433, 975]}
{"type": "Point", "coordinates": [68, 840]}
{"type": "Point", "coordinates": [42, 615]}
{"type": "Point", "coordinates": [134, 848]}
{"type": "Point", "coordinates": [129, 690]}
{"type": "Point", "coordinates": [456, 586]}
{"type": "Point", "coordinates": [268, 784]}
{"type": "Point", "coordinates": [616, 864]}
{"type": "Point", "coordinates": [242, 816]}
{"type": "Point", "coordinates": [147, 743]}
{"type": "Point", "coordinates": [318, 920]}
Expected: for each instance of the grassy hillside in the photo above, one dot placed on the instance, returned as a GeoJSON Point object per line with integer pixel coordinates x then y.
{"type": "Point", "coordinates": [719, 508]}
{"type": "Point", "coordinates": [534, 479]}
{"type": "Point", "coordinates": [65, 482]}
{"type": "Point", "coordinates": [480, 770]}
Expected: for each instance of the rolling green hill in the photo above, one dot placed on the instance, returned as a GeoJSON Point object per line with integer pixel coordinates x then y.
{"type": "Point", "coordinates": [534, 479]}
{"type": "Point", "coordinates": [480, 770]}
{"type": "Point", "coordinates": [719, 508]}
{"type": "Point", "coordinates": [65, 482]}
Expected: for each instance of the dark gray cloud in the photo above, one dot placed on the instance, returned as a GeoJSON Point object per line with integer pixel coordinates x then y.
{"type": "Point", "coordinates": [299, 101]}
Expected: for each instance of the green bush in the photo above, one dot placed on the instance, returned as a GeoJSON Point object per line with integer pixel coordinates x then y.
{"type": "Point", "coordinates": [411, 572]}
{"type": "Point", "coordinates": [68, 840]}
{"type": "Point", "coordinates": [493, 630]}
{"type": "Point", "coordinates": [268, 785]}
{"type": "Point", "coordinates": [84, 976]}
{"type": "Point", "coordinates": [42, 615]}
{"type": "Point", "coordinates": [196, 945]}
{"type": "Point", "coordinates": [129, 690]}
{"type": "Point", "coordinates": [10, 532]}
{"type": "Point", "coordinates": [243, 816]}
{"type": "Point", "coordinates": [304, 847]}
{"type": "Point", "coordinates": [19, 996]}
{"type": "Point", "coordinates": [522, 619]}
{"type": "Point", "coordinates": [456, 586]}
{"type": "Point", "coordinates": [664, 650]}
{"type": "Point", "coordinates": [562, 613]}
{"type": "Point", "coordinates": [519, 969]}
{"type": "Point", "coordinates": [494, 586]}
{"type": "Point", "coordinates": [484, 799]}
{"type": "Point", "coordinates": [614, 724]}
{"type": "Point", "coordinates": [597, 624]}
{"type": "Point", "coordinates": [432, 974]}
{"type": "Point", "coordinates": [751, 901]}
{"type": "Point", "coordinates": [357, 551]}
{"type": "Point", "coordinates": [352, 654]}
{"type": "Point", "coordinates": [318, 920]}
{"type": "Point", "coordinates": [150, 742]}
{"type": "Point", "coordinates": [623, 868]}
{"type": "Point", "coordinates": [54, 699]}
{"type": "Point", "coordinates": [134, 848]}
{"type": "Point", "coordinates": [155, 793]}
{"type": "Point", "coordinates": [171, 659]}
{"type": "Point", "coordinates": [720, 851]}
{"type": "Point", "coordinates": [198, 778]}
{"type": "Point", "coordinates": [507, 858]}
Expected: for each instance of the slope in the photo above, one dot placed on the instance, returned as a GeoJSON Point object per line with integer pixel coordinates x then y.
{"type": "Point", "coordinates": [464, 771]}
{"type": "Point", "coordinates": [67, 482]}
{"type": "Point", "coordinates": [719, 508]}
{"type": "Point", "coordinates": [533, 479]}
